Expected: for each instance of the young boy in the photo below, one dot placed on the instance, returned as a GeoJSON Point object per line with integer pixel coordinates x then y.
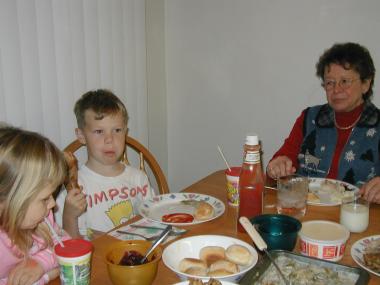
{"type": "Point", "coordinates": [112, 191]}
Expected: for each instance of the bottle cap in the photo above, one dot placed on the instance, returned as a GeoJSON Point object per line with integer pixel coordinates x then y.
{"type": "Point", "coordinates": [252, 139]}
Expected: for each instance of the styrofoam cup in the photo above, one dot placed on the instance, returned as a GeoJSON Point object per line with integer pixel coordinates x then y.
{"type": "Point", "coordinates": [74, 261]}
{"type": "Point", "coordinates": [233, 185]}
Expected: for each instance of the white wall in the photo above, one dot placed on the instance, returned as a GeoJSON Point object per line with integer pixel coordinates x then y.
{"type": "Point", "coordinates": [239, 66]}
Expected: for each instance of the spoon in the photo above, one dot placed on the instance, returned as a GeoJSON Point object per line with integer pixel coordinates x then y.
{"type": "Point", "coordinates": [160, 238]}
{"type": "Point", "coordinates": [260, 243]}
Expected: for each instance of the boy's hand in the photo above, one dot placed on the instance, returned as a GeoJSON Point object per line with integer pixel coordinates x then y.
{"type": "Point", "coordinates": [25, 273]}
{"type": "Point", "coordinates": [75, 203]}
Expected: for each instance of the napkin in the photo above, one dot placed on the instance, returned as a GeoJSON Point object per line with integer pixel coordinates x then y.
{"type": "Point", "coordinates": [144, 232]}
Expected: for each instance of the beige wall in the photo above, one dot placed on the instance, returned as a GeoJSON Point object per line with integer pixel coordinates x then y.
{"type": "Point", "coordinates": [232, 67]}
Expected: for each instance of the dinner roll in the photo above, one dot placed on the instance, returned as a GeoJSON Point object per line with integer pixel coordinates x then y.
{"type": "Point", "coordinates": [203, 211]}
{"type": "Point", "coordinates": [224, 264]}
{"type": "Point", "coordinates": [210, 254]}
{"type": "Point", "coordinates": [187, 263]}
{"type": "Point", "coordinates": [197, 271]}
{"type": "Point", "coordinates": [219, 273]}
{"type": "Point", "coordinates": [239, 254]}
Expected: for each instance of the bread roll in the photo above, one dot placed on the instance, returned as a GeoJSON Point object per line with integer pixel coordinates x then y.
{"type": "Point", "coordinates": [210, 254]}
{"type": "Point", "coordinates": [203, 211]}
{"type": "Point", "coordinates": [219, 273]}
{"type": "Point", "coordinates": [187, 263]}
{"type": "Point", "coordinates": [239, 254]}
{"type": "Point", "coordinates": [197, 271]}
{"type": "Point", "coordinates": [224, 264]}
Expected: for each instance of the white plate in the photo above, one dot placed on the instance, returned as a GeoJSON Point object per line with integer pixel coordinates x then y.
{"type": "Point", "coordinates": [357, 250]}
{"type": "Point", "coordinates": [161, 205]}
{"type": "Point", "coordinates": [223, 283]}
{"type": "Point", "coordinates": [315, 186]}
{"type": "Point", "coordinates": [191, 246]}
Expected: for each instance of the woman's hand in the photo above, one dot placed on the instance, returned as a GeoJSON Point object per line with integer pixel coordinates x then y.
{"type": "Point", "coordinates": [280, 166]}
{"type": "Point", "coordinates": [371, 190]}
{"type": "Point", "coordinates": [25, 273]}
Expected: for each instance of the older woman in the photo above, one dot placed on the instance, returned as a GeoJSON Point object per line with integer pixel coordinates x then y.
{"type": "Point", "coordinates": [340, 139]}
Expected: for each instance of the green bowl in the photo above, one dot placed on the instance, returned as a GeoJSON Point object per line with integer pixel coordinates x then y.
{"type": "Point", "coordinates": [278, 231]}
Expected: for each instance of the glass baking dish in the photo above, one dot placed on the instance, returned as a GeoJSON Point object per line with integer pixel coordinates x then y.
{"type": "Point", "coordinates": [254, 275]}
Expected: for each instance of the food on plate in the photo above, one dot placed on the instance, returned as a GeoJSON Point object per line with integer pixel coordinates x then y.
{"type": "Point", "coordinates": [71, 180]}
{"type": "Point", "coordinates": [225, 265]}
{"type": "Point", "coordinates": [131, 258]}
{"type": "Point", "coordinates": [329, 191]}
{"type": "Point", "coordinates": [211, 281]}
{"type": "Point", "coordinates": [198, 271]}
{"type": "Point", "coordinates": [178, 218]}
{"type": "Point", "coordinates": [214, 262]}
{"type": "Point", "coordinates": [239, 254]}
{"type": "Point", "coordinates": [219, 273]}
{"type": "Point", "coordinates": [298, 272]}
{"type": "Point", "coordinates": [311, 197]}
{"type": "Point", "coordinates": [187, 263]}
{"type": "Point", "coordinates": [211, 254]}
{"type": "Point", "coordinates": [203, 210]}
{"type": "Point", "coordinates": [371, 255]}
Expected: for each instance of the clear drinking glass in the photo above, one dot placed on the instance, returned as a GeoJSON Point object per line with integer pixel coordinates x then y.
{"type": "Point", "coordinates": [292, 195]}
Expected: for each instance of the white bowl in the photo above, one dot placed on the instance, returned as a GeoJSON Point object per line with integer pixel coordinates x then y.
{"type": "Point", "coordinates": [223, 283]}
{"type": "Point", "coordinates": [323, 239]}
{"type": "Point", "coordinates": [190, 248]}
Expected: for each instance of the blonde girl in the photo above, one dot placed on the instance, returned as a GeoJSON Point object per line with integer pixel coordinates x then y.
{"type": "Point", "coordinates": [31, 169]}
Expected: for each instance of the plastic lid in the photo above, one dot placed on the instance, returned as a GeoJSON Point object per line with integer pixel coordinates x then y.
{"type": "Point", "coordinates": [252, 139]}
{"type": "Point", "coordinates": [73, 248]}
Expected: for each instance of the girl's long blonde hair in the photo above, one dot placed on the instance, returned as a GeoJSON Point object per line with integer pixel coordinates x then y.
{"type": "Point", "coordinates": [28, 163]}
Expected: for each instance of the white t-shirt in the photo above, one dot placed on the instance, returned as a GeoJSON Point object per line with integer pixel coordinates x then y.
{"type": "Point", "coordinates": [110, 200]}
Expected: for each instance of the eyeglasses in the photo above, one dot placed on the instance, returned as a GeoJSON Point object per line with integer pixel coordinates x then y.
{"type": "Point", "coordinates": [344, 83]}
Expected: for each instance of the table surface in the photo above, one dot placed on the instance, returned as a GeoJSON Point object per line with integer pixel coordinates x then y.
{"type": "Point", "coordinates": [214, 185]}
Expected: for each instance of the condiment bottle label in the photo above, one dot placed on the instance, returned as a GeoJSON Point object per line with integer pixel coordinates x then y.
{"type": "Point", "coordinates": [252, 157]}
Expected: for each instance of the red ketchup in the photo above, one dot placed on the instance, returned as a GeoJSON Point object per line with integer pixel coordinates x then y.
{"type": "Point", "coordinates": [178, 218]}
{"type": "Point", "coordinates": [251, 182]}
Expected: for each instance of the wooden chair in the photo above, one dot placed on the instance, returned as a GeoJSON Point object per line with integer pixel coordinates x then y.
{"type": "Point", "coordinates": [145, 156]}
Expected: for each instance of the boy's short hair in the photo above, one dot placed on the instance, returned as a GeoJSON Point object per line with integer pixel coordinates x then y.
{"type": "Point", "coordinates": [102, 102]}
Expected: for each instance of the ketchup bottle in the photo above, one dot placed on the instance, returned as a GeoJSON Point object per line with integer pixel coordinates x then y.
{"type": "Point", "coordinates": [251, 182]}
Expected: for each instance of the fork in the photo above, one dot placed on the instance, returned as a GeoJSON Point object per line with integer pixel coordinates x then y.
{"type": "Point", "coordinates": [152, 238]}
{"type": "Point", "coordinates": [171, 233]}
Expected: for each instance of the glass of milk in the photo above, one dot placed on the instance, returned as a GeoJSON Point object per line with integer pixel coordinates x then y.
{"type": "Point", "coordinates": [354, 214]}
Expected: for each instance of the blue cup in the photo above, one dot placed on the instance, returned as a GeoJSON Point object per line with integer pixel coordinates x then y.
{"type": "Point", "coordinates": [278, 231]}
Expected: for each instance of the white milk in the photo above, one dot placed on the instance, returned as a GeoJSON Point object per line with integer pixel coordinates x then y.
{"type": "Point", "coordinates": [354, 217]}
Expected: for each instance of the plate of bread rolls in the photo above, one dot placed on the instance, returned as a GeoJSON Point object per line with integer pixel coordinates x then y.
{"type": "Point", "coordinates": [182, 209]}
{"type": "Point", "coordinates": [210, 256]}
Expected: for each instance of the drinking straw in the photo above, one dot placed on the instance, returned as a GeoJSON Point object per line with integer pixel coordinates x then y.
{"type": "Point", "coordinates": [225, 160]}
{"type": "Point", "coordinates": [54, 233]}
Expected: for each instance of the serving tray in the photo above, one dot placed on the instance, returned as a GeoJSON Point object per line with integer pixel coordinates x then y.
{"type": "Point", "coordinates": [255, 273]}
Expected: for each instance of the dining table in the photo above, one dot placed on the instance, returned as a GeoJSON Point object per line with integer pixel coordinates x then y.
{"type": "Point", "coordinates": [215, 185]}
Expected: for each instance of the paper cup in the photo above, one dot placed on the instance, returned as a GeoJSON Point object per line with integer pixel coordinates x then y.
{"type": "Point", "coordinates": [74, 261]}
{"type": "Point", "coordinates": [233, 185]}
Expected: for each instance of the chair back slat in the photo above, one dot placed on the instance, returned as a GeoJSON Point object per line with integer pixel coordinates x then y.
{"type": "Point", "coordinates": [145, 156]}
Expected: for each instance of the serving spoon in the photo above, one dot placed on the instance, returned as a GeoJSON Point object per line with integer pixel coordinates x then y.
{"type": "Point", "coordinates": [260, 243]}
{"type": "Point", "coordinates": [160, 238]}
